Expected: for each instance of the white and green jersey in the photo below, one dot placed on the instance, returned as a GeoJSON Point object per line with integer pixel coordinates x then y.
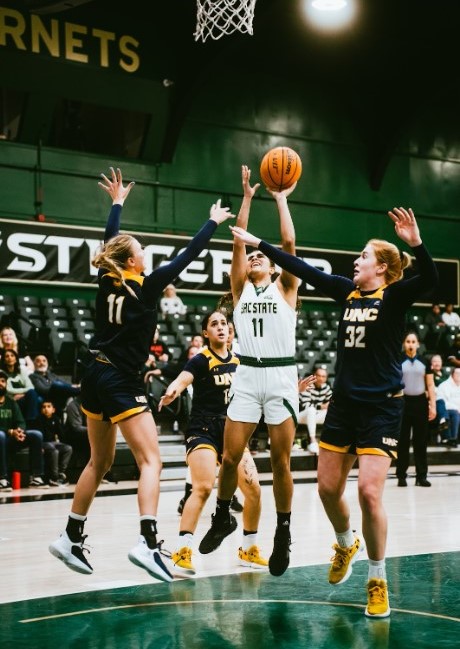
{"type": "Point", "coordinates": [265, 323]}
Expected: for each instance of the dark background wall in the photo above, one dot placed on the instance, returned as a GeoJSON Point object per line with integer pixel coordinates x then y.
{"type": "Point", "coordinates": [372, 112]}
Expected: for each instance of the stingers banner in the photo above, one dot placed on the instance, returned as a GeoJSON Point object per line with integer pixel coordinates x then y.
{"type": "Point", "coordinates": [52, 254]}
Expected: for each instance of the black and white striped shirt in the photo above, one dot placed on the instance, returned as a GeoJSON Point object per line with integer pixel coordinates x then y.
{"type": "Point", "coordinates": [315, 397]}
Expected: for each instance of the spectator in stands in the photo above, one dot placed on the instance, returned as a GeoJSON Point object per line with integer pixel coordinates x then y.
{"type": "Point", "coordinates": [449, 392]}
{"type": "Point", "coordinates": [197, 341]}
{"type": "Point", "coordinates": [171, 303]}
{"type": "Point", "coordinates": [440, 374]}
{"type": "Point", "coordinates": [76, 433]}
{"type": "Point", "coordinates": [313, 405]}
{"type": "Point", "coordinates": [76, 430]}
{"type": "Point", "coordinates": [158, 357]}
{"type": "Point", "coordinates": [453, 356]}
{"type": "Point", "coordinates": [57, 454]}
{"type": "Point", "coordinates": [434, 317]}
{"type": "Point", "coordinates": [436, 328]}
{"type": "Point", "coordinates": [9, 340]}
{"type": "Point", "coordinates": [14, 437]}
{"type": "Point", "coordinates": [196, 345]}
{"type": "Point", "coordinates": [450, 317]}
{"type": "Point", "coordinates": [19, 386]}
{"type": "Point", "coordinates": [158, 349]}
{"type": "Point", "coordinates": [192, 351]}
{"type": "Point", "coordinates": [49, 386]}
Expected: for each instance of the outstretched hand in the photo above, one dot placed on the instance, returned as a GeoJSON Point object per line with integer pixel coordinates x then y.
{"type": "Point", "coordinates": [406, 226]}
{"type": "Point", "coordinates": [306, 383]}
{"type": "Point", "coordinates": [248, 191]}
{"type": "Point", "coordinates": [220, 214]}
{"type": "Point", "coordinates": [167, 398]}
{"type": "Point", "coordinates": [114, 187]}
{"type": "Point", "coordinates": [243, 236]}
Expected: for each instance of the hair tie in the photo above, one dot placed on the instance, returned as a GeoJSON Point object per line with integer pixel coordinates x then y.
{"type": "Point", "coordinates": [401, 256]}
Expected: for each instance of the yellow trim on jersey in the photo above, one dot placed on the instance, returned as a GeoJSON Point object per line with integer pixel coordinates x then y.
{"type": "Point", "coordinates": [215, 362]}
{"type": "Point", "coordinates": [127, 275]}
{"type": "Point", "coordinates": [92, 415]}
{"type": "Point", "coordinates": [378, 293]}
{"type": "Point", "coordinates": [336, 449]}
{"type": "Point", "coordinates": [128, 413]}
{"type": "Point", "coordinates": [133, 276]}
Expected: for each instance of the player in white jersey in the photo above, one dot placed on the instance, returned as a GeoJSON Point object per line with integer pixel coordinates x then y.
{"type": "Point", "coordinates": [265, 382]}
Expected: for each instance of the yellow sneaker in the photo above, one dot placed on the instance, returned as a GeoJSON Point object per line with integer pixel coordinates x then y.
{"type": "Point", "coordinates": [251, 558]}
{"type": "Point", "coordinates": [343, 560]}
{"type": "Point", "coordinates": [377, 599]}
{"type": "Point", "coordinates": [182, 560]}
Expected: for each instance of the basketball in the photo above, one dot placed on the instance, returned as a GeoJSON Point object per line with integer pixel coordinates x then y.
{"type": "Point", "coordinates": [280, 168]}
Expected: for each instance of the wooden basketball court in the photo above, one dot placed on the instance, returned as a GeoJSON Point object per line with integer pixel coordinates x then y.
{"type": "Point", "coordinates": [43, 604]}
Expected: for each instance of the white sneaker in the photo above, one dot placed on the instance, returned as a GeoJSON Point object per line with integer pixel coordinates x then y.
{"type": "Point", "coordinates": [313, 447]}
{"type": "Point", "coordinates": [5, 485]}
{"type": "Point", "coordinates": [151, 560]}
{"type": "Point", "coordinates": [38, 482]}
{"type": "Point", "coordinates": [71, 553]}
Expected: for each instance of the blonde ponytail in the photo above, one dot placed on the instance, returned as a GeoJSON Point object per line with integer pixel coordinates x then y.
{"type": "Point", "coordinates": [113, 256]}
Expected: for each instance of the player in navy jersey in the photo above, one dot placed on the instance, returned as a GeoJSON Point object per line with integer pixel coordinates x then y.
{"type": "Point", "coordinates": [364, 417]}
{"type": "Point", "coordinates": [112, 387]}
{"type": "Point", "coordinates": [211, 373]}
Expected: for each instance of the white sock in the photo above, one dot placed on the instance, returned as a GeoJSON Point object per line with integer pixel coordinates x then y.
{"type": "Point", "coordinates": [77, 517]}
{"type": "Point", "coordinates": [345, 539]}
{"type": "Point", "coordinates": [185, 541]}
{"type": "Point", "coordinates": [248, 541]}
{"type": "Point", "coordinates": [148, 517]}
{"type": "Point", "coordinates": [377, 569]}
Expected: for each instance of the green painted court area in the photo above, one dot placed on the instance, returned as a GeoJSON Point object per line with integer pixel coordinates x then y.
{"type": "Point", "coordinates": [251, 610]}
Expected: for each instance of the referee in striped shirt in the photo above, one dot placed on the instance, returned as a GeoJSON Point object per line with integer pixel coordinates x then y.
{"type": "Point", "coordinates": [313, 404]}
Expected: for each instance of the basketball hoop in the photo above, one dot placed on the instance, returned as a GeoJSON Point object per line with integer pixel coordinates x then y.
{"type": "Point", "coordinates": [217, 18]}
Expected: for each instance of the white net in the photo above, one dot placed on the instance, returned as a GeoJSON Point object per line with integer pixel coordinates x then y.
{"type": "Point", "coordinates": [216, 18]}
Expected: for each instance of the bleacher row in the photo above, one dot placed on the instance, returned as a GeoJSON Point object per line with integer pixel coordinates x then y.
{"type": "Point", "coordinates": [59, 328]}
{"type": "Point", "coordinates": [62, 328]}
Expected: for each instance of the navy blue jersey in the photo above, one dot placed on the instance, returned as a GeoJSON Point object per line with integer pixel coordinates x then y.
{"type": "Point", "coordinates": [212, 378]}
{"type": "Point", "coordinates": [372, 324]}
{"type": "Point", "coordinates": [125, 324]}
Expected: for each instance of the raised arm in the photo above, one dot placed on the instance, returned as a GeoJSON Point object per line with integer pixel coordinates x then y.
{"type": "Point", "coordinates": [118, 193]}
{"type": "Point", "coordinates": [239, 261]}
{"type": "Point", "coordinates": [406, 226]}
{"type": "Point", "coordinates": [289, 282]}
{"type": "Point", "coordinates": [175, 388]}
{"type": "Point", "coordinates": [334, 286]}
{"type": "Point", "coordinates": [407, 229]}
{"type": "Point", "coordinates": [164, 275]}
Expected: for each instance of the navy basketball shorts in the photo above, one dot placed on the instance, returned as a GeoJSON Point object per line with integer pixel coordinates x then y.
{"type": "Point", "coordinates": [206, 432]}
{"type": "Point", "coordinates": [107, 394]}
{"type": "Point", "coordinates": [361, 428]}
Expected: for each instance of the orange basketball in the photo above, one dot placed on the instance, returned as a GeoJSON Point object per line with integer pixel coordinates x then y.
{"type": "Point", "coordinates": [280, 168]}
